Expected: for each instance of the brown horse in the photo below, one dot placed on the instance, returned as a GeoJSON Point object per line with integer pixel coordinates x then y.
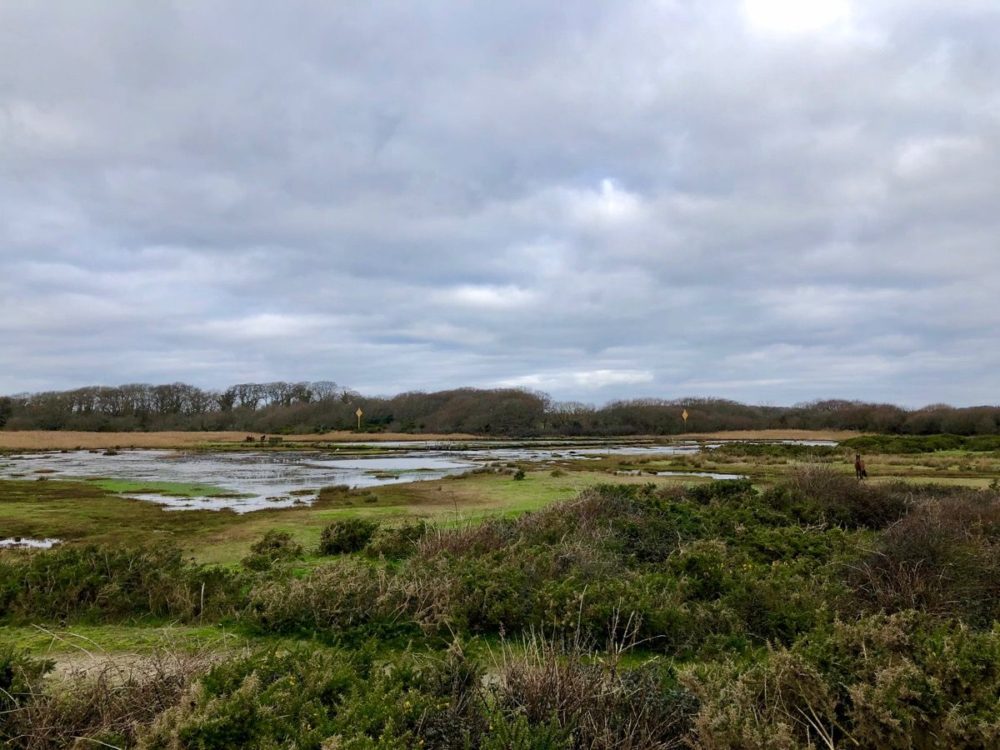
{"type": "Point", "coordinates": [859, 467]}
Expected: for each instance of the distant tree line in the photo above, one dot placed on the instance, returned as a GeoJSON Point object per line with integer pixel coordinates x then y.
{"type": "Point", "coordinates": [302, 407]}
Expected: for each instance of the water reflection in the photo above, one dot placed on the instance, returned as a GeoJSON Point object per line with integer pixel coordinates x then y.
{"type": "Point", "coordinates": [241, 481]}
{"type": "Point", "coordinates": [245, 481]}
{"type": "Point", "coordinates": [18, 542]}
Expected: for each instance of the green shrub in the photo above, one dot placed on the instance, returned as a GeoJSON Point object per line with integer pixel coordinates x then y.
{"type": "Point", "coordinates": [820, 495]}
{"type": "Point", "coordinates": [347, 598]}
{"type": "Point", "coordinates": [942, 558]}
{"type": "Point", "coordinates": [348, 535]}
{"type": "Point", "coordinates": [274, 546]}
{"type": "Point", "coordinates": [278, 698]}
{"type": "Point", "coordinates": [104, 582]}
{"type": "Point", "coordinates": [320, 698]}
{"type": "Point", "coordinates": [922, 443]}
{"type": "Point", "coordinates": [20, 681]}
{"type": "Point", "coordinates": [396, 542]}
{"type": "Point", "coordinates": [884, 682]}
{"type": "Point", "coordinates": [722, 490]}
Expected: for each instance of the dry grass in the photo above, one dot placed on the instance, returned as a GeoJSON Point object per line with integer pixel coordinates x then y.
{"type": "Point", "coordinates": [588, 694]}
{"type": "Point", "coordinates": [60, 440]}
{"type": "Point", "coordinates": [943, 558]}
{"type": "Point", "coordinates": [68, 440]}
{"type": "Point", "coordinates": [837, 435]}
{"type": "Point", "coordinates": [115, 698]}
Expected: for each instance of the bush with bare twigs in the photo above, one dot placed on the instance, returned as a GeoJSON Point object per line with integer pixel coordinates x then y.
{"type": "Point", "coordinates": [274, 547]}
{"type": "Point", "coordinates": [942, 558]}
{"type": "Point", "coordinates": [109, 702]}
{"type": "Point", "coordinates": [821, 495]}
{"type": "Point", "coordinates": [587, 695]}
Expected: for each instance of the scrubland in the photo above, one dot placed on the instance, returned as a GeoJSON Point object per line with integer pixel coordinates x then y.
{"type": "Point", "coordinates": [798, 608]}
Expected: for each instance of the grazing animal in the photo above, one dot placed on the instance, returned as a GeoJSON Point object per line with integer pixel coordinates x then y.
{"type": "Point", "coordinates": [859, 467]}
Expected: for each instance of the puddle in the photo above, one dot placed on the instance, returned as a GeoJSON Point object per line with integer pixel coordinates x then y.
{"type": "Point", "coordinates": [706, 474]}
{"type": "Point", "coordinates": [25, 543]}
{"type": "Point", "coordinates": [678, 473]}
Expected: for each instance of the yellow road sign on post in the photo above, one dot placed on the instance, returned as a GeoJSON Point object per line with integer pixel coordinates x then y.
{"type": "Point", "coordinates": [359, 414]}
{"type": "Point", "coordinates": [684, 416]}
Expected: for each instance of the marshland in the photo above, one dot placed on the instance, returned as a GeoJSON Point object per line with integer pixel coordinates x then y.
{"type": "Point", "coordinates": [665, 337]}
{"type": "Point", "coordinates": [523, 593]}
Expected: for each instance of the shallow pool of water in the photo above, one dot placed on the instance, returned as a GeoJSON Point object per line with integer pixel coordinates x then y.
{"type": "Point", "coordinates": [250, 480]}
{"type": "Point", "coordinates": [17, 542]}
{"type": "Point", "coordinates": [256, 480]}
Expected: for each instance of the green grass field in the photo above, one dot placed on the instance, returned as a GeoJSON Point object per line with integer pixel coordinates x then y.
{"type": "Point", "coordinates": [94, 511]}
{"type": "Point", "coordinates": [170, 489]}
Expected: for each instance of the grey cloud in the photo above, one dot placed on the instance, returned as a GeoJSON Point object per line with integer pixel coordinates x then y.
{"type": "Point", "coordinates": [642, 198]}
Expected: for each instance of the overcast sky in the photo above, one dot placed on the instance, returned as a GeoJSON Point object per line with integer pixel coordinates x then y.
{"type": "Point", "coordinates": [770, 200]}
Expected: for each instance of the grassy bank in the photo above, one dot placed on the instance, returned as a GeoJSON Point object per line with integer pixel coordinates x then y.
{"type": "Point", "coordinates": [95, 512]}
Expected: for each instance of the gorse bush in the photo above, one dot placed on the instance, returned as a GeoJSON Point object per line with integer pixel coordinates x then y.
{"type": "Point", "coordinates": [273, 547]}
{"type": "Point", "coordinates": [338, 599]}
{"type": "Point", "coordinates": [885, 682]}
{"type": "Point", "coordinates": [395, 542]}
{"type": "Point", "coordinates": [693, 570]}
{"type": "Point", "coordinates": [109, 704]}
{"type": "Point", "coordinates": [922, 443]}
{"type": "Point", "coordinates": [820, 495]}
{"type": "Point", "coordinates": [543, 696]}
{"type": "Point", "coordinates": [104, 583]}
{"type": "Point", "coordinates": [942, 558]}
{"type": "Point", "coordinates": [822, 612]}
{"type": "Point", "coordinates": [20, 681]}
{"type": "Point", "coordinates": [720, 491]}
{"type": "Point", "coordinates": [277, 698]}
{"type": "Point", "coordinates": [349, 535]}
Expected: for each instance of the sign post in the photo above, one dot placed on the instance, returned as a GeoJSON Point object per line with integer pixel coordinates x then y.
{"type": "Point", "coordinates": [359, 414]}
{"type": "Point", "coordinates": [684, 416]}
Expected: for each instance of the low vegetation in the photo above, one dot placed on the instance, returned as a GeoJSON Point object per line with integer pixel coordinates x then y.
{"type": "Point", "coordinates": [923, 443]}
{"type": "Point", "coordinates": [815, 613]}
{"type": "Point", "coordinates": [349, 535]}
